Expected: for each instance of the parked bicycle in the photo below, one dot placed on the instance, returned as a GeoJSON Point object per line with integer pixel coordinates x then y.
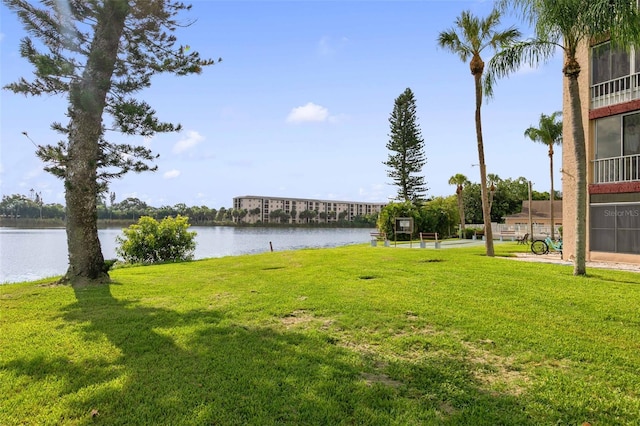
{"type": "Point", "coordinates": [543, 246]}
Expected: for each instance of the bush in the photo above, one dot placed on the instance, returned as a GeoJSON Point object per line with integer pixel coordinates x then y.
{"type": "Point", "coordinates": [469, 232]}
{"type": "Point", "coordinates": [150, 241]}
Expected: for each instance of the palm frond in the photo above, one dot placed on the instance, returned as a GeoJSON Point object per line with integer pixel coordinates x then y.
{"type": "Point", "coordinates": [511, 58]}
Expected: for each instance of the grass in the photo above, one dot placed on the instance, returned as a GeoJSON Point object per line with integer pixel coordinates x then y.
{"type": "Point", "coordinates": [351, 335]}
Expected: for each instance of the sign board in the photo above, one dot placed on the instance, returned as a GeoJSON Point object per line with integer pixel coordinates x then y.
{"type": "Point", "coordinates": [403, 225]}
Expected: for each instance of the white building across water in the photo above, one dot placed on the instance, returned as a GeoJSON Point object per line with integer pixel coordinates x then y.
{"type": "Point", "coordinates": [300, 210]}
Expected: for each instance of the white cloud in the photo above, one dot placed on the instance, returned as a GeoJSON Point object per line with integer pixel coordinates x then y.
{"type": "Point", "coordinates": [308, 112]}
{"type": "Point", "coordinates": [329, 47]}
{"type": "Point", "coordinates": [33, 173]}
{"type": "Point", "coordinates": [192, 139]}
{"type": "Point", "coordinates": [324, 47]}
{"type": "Point", "coordinates": [375, 192]}
{"type": "Point", "coordinates": [171, 174]}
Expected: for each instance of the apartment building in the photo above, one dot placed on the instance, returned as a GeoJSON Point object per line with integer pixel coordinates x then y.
{"type": "Point", "coordinates": [300, 210]}
{"type": "Point", "coordinates": [610, 97]}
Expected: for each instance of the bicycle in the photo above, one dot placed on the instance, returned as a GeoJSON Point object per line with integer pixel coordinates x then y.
{"type": "Point", "coordinates": [542, 246]}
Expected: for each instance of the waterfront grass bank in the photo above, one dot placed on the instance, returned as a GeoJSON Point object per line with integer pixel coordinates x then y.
{"type": "Point", "coordinates": [348, 335]}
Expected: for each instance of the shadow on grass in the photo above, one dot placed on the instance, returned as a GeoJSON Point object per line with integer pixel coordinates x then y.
{"type": "Point", "coordinates": [195, 368]}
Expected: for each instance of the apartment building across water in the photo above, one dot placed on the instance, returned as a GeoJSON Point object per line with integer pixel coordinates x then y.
{"type": "Point", "coordinates": [300, 210]}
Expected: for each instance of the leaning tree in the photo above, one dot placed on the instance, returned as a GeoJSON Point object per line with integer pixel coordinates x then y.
{"type": "Point", "coordinates": [99, 54]}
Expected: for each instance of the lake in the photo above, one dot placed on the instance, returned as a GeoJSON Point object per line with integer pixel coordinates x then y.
{"type": "Point", "coordinates": [31, 254]}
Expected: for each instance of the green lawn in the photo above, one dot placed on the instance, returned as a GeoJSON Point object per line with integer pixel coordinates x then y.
{"type": "Point", "coordinates": [351, 335]}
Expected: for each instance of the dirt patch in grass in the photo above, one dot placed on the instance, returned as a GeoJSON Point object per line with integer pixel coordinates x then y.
{"type": "Point", "coordinates": [494, 370]}
{"type": "Point", "coordinates": [297, 317]}
{"type": "Point", "coordinates": [372, 379]}
{"type": "Point", "coordinates": [53, 284]}
{"type": "Point", "coordinates": [301, 317]}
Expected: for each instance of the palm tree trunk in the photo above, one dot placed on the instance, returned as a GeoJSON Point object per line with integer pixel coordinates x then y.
{"type": "Point", "coordinates": [551, 195]}
{"type": "Point", "coordinates": [580, 155]}
{"type": "Point", "coordinates": [486, 214]}
{"type": "Point", "coordinates": [461, 211]}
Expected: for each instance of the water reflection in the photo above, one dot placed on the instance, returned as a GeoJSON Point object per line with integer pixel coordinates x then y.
{"type": "Point", "coordinates": [30, 254]}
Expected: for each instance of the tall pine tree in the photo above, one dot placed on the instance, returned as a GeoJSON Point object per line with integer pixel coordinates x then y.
{"type": "Point", "coordinates": [407, 156]}
{"type": "Point", "coordinates": [99, 54]}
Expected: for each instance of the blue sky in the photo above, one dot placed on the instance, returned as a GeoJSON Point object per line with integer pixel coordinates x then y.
{"type": "Point", "coordinates": [299, 107]}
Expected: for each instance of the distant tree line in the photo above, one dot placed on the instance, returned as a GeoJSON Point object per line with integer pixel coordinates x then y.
{"type": "Point", "coordinates": [131, 209]}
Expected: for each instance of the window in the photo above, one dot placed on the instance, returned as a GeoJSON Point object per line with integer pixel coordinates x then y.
{"type": "Point", "coordinates": [618, 135]}
{"type": "Point", "coordinates": [615, 228]}
{"type": "Point", "coordinates": [631, 138]}
{"type": "Point", "coordinates": [608, 64]}
{"type": "Point", "coordinates": [608, 137]}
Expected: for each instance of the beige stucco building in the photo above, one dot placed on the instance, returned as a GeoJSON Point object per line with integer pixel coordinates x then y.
{"type": "Point", "coordinates": [301, 210]}
{"type": "Point", "coordinates": [609, 84]}
{"type": "Point", "coordinates": [540, 215]}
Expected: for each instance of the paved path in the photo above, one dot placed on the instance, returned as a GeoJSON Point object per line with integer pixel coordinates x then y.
{"type": "Point", "coordinates": [555, 258]}
{"type": "Point", "coordinates": [524, 257]}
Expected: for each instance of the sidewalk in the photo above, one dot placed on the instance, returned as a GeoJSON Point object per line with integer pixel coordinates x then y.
{"type": "Point", "coordinates": [523, 257]}
{"type": "Point", "coordinates": [555, 258]}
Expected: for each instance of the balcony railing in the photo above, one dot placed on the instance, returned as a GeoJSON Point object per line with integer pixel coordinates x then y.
{"type": "Point", "coordinates": [617, 169]}
{"type": "Point", "coordinates": [612, 92]}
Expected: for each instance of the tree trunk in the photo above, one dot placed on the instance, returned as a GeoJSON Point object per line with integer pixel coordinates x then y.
{"type": "Point", "coordinates": [486, 214]}
{"type": "Point", "coordinates": [571, 71]}
{"type": "Point", "coordinates": [87, 102]}
{"type": "Point", "coordinates": [551, 195]}
{"type": "Point", "coordinates": [461, 210]}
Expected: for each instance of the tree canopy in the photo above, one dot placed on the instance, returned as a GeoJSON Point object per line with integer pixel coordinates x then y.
{"type": "Point", "coordinates": [101, 55]}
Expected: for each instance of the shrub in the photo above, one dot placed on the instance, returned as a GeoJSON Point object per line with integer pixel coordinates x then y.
{"type": "Point", "coordinates": [150, 241]}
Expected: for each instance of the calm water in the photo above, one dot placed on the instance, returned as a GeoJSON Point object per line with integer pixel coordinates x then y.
{"type": "Point", "coordinates": [30, 254]}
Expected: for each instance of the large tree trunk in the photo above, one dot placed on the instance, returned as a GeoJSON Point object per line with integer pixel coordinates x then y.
{"type": "Point", "coordinates": [571, 71]}
{"type": "Point", "coordinates": [87, 103]}
{"type": "Point", "coordinates": [486, 213]}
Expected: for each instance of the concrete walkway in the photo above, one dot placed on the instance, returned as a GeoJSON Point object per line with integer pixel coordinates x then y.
{"type": "Point", "coordinates": [524, 257]}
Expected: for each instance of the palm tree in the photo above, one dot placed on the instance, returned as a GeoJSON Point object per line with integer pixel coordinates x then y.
{"type": "Point", "coordinates": [549, 133]}
{"type": "Point", "coordinates": [492, 181]}
{"type": "Point", "coordinates": [468, 39]}
{"type": "Point", "coordinates": [460, 181]}
{"type": "Point", "coordinates": [568, 25]}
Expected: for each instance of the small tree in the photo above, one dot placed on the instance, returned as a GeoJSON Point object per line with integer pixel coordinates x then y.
{"type": "Point", "coordinates": [549, 133]}
{"type": "Point", "coordinates": [150, 241]}
{"type": "Point", "coordinates": [460, 181]}
{"type": "Point", "coordinates": [407, 150]}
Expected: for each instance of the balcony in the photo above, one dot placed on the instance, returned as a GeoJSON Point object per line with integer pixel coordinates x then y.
{"type": "Point", "coordinates": [617, 169]}
{"type": "Point", "coordinates": [623, 89]}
